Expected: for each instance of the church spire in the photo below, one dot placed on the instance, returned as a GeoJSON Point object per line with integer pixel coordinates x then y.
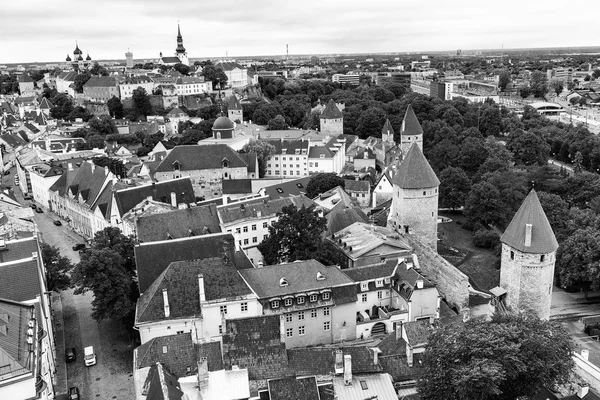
{"type": "Point", "coordinates": [180, 49]}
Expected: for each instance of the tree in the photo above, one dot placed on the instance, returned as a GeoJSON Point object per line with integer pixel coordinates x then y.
{"type": "Point", "coordinates": [108, 270]}
{"type": "Point", "coordinates": [557, 86]}
{"type": "Point", "coordinates": [80, 80]}
{"type": "Point", "coordinates": [484, 205]}
{"type": "Point", "coordinates": [115, 107]}
{"type": "Point", "coordinates": [538, 83]}
{"type": "Point", "coordinates": [141, 101]}
{"type": "Point", "coordinates": [495, 360]}
{"type": "Point", "coordinates": [114, 165]}
{"type": "Point", "coordinates": [263, 151]}
{"type": "Point", "coordinates": [103, 125]}
{"type": "Point", "coordinates": [57, 268]}
{"type": "Point", "coordinates": [454, 188]}
{"type": "Point", "coordinates": [99, 70]}
{"type": "Point", "coordinates": [528, 148]}
{"type": "Point", "coordinates": [321, 183]}
{"type": "Point", "coordinates": [63, 106]}
{"type": "Point", "coordinates": [525, 92]}
{"type": "Point", "coordinates": [490, 122]}
{"type": "Point", "coordinates": [277, 123]}
{"type": "Point", "coordinates": [296, 235]}
{"type": "Point", "coordinates": [471, 155]}
{"type": "Point", "coordinates": [503, 80]}
{"type": "Point", "coordinates": [577, 258]}
{"type": "Point", "coordinates": [578, 163]}
{"type": "Point", "coordinates": [182, 69]}
{"type": "Point", "coordinates": [370, 123]}
{"type": "Point", "coordinates": [265, 112]}
{"type": "Point", "coordinates": [214, 74]}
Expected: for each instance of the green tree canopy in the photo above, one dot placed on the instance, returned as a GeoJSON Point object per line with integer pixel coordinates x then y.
{"type": "Point", "coordinates": [115, 107]}
{"type": "Point", "coordinates": [296, 235]}
{"type": "Point", "coordinates": [557, 86]}
{"type": "Point", "coordinates": [263, 151]}
{"type": "Point", "coordinates": [506, 358]}
{"type": "Point", "coordinates": [528, 148]}
{"type": "Point", "coordinates": [104, 125]}
{"type": "Point", "coordinates": [321, 183]}
{"type": "Point", "coordinates": [278, 123]}
{"type": "Point", "coordinates": [454, 187]}
{"type": "Point", "coordinates": [216, 75]}
{"type": "Point", "coordinates": [57, 268]}
{"type": "Point", "coordinates": [538, 83]}
{"type": "Point", "coordinates": [80, 80]}
{"type": "Point", "coordinates": [141, 101]}
{"type": "Point", "coordinates": [484, 205]}
{"type": "Point", "coordinates": [503, 80]}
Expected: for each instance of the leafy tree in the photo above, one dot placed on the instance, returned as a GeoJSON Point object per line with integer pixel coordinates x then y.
{"type": "Point", "coordinates": [57, 268]}
{"type": "Point", "coordinates": [484, 205]}
{"type": "Point", "coordinates": [397, 89]}
{"type": "Point", "coordinates": [263, 151]}
{"type": "Point", "coordinates": [578, 163]}
{"type": "Point", "coordinates": [525, 92]}
{"type": "Point", "coordinates": [574, 100]}
{"type": "Point", "coordinates": [79, 112]}
{"type": "Point", "coordinates": [577, 258]}
{"type": "Point", "coordinates": [141, 101]}
{"type": "Point", "coordinates": [528, 148]}
{"type": "Point", "coordinates": [490, 122]}
{"type": "Point", "coordinates": [265, 112]}
{"type": "Point", "coordinates": [277, 123]}
{"type": "Point", "coordinates": [114, 165]}
{"type": "Point", "coordinates": [556, 210]}
{"type": "Point", "coordinates": [503, 80]}
{"type": "Point", "coordinates": [321, 183]}
{"type": "Point", "coordinates": [471, 155]}
{"type": "Point", "coordinates": [99, 70]}
{"type": "Point", "coordinates": [454, 187]}
{"type": "Point", "coordinates": [103, 125]}
{"type": "Point", "coordinates": [495, 360]}
{"type": "Point", "coordinates": [80, 80]}
{"type": "Point", "coordinates": [538, 83]}
{"type": "Point", "coordinates": [370, 123]}
{"type": "Point", "coordinates": [596, 74]}
{"type": "Point", "coordinates": [295, 236]}
{"type": "Point", "coordinates": [214, 74]}
{"type": "Point", "coordinates": [182, 69]}
{"type": "Point", "coordinates": [115, 107]}
{"type": "Point", "coordinates": [63, 106]}
{"type": "Point", "coordinates": [557, 86]}
{"type": "Point", "coordinates": [108, 270]}
{"type": "Point", "coordinates": [486, 238]}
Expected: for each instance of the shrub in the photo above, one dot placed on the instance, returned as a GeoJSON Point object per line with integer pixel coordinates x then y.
{"type": "Point", "coordinates": [486, 239]}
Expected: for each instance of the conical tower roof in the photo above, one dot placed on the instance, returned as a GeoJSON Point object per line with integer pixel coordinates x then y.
{"type": "Point", "coordinates": [415, 172]}
{"type": "Point", "coordinates": [531, 212]}
{"type": "Point", "coordinates": [331, 111]}
{"type": "Point", "coordinates": [411, 125]}
{"type": "Point", "coordinates": [387, 128]}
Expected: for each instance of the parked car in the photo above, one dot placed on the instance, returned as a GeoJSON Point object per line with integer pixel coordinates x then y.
{"type": "Point", "coordinates": [57, 222]}
{"type": "Point", "coordinates": [89, 357]}
{"type": "Point", "coordinates": [74, 393]}
{"type": "Point", "coordinates": [7, 172]}
{"type": "Point", "coordinates": [79, 246]}
{"type": "Point", "coordinates": [70, 354]}
{"type": "Point", "coordinates": [33, 205]}
{"type": "Point", "coordinates": [27, 196]}
{"type": "Point", "coordinates": [39, 210]}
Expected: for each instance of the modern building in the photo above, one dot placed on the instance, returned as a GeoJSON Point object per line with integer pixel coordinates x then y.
{"type": "Point", "coordinates": [563, 74]}
{"type": "Point", "coordinates": [348, 79]}
{"type": "Point", "coordinates": [528, 257]}
{"type": "Point", "coordinates": [290, 159]}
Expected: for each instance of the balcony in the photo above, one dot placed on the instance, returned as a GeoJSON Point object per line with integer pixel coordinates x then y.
{"type": "Point", "coordinates": [378, 313]}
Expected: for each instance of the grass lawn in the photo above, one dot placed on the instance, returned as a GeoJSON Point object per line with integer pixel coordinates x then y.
{"type": "Point", "coordinates": [456, 246]}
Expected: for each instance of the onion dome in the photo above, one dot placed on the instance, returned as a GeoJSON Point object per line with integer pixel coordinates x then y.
{"type": "Point", "coordinates": [68, 58]}
{"type": "Point", "coordinates": [223, 123]}
{"type": "Point", "coordinates": [77, 51]}
{"type": "Point", "coordinates": [88, 58]}
{"type": "Point", "coordinates": [80, 58]}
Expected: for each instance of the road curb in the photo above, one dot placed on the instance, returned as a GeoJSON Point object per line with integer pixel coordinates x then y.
{"type": "Point", "coordinates": [60, 386]}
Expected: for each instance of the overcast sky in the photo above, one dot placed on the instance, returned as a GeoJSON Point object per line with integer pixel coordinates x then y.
{"type": "Point", "coordinates": [46, 30]}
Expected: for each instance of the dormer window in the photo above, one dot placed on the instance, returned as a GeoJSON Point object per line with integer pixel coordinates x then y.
{"type": "Point", "coordinates": [288, 302]}
{"type": "Point", "coordinates": [176, 165]}
{"type": "Point", "coordinates": [300, 300]}
{"type": "Point", "coordinates": [225, 163]}
{"type": "Point", "coordinates": [283, 282]}
{"type": "Point", "coordinates": [320, 276]}
{"type": "Point", "coordinates": [364, 286]}
{"type": "Point", "coordinates": [313, 298]}
{"type": "Point", "coordinates": [325, 296]}
{"type": "Point", "coordinates": [379, 282]}
{"type": "Point", "coordinates": [275, 304]}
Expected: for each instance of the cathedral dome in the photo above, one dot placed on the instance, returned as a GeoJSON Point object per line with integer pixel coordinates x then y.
{"type": "Point", "coordinates": [68, 58]}
{"type": "Point", "coordinates": [77, 51]}
{"type": "Point", "coordinates": [88, 58]}
{"type": "Point", "coordinates": [223, 123]}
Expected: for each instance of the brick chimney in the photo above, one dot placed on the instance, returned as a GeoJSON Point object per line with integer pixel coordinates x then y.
{"type": "Point", "coordinates": [166, 303]}
{"type": "Point", "coordinates": [583, 391]}
{"type": "Point", "coordinates": [202, 372]}
{"type": "Point", "coordinates": [347, 369]}
{"type": "Point", "coordinates": [173, 199]}
{"type": "Point", "coordinates": [339, 362]}
{"type": "Point", "coordinates": [201, 292]}
{"type": "Point", "coordinates": [376, 352]}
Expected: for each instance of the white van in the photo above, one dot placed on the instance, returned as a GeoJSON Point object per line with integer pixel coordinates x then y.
{"type": "Point", "coordinates": [89, 356]}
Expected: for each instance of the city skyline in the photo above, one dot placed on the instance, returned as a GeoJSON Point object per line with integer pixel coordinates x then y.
{"type": "Point", "coordinates": [147, 28]}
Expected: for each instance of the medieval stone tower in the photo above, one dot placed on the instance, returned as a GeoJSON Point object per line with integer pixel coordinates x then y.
{"type": "Point", "coordinates": [332, 120]}
{"type": "Point", "coordinates": [528, 256]}
{"type": "Point", "coordinates": [234, 109]}
{"type": "Point", "coordinates": [387, 133]}
{"type": "Point", "coordinates": [411, 131]}
{"type": "Point", "coordinates": [415, 199]}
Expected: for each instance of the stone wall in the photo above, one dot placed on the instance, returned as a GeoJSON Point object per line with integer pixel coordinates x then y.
{"type": "Point", "coordinates": [527, 280]}
{"type": "Point", "coordinates": [406, 142]}
{"type": "Point", "coordinates": [452, 283]}
{"type": "Point", "coordinates": [333, 127]}
{"type": "Point", "coordinates": [416, 209]}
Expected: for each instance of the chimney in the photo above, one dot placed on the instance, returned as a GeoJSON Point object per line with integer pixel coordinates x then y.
{"type": "Point", "coordinates": [201, 288]}
{"type": "Point", "coordinates": [70, 166]}
{"type": "Point", "coordinates": [376, 352]}
{"type": "Point", "coordinates": [585, 354]}
{"type": "Point", "coordinates": [339, 362]}
{"type": "Point", "coordinates": [583, 391]}
{"type": "Point", "coordinates": [34, 255]}
{"type": "Point", "coordinates": [347, 369]}
{"type": "Point", "coordinates": [399, 330]}
{"type": "Point", "coordinates": [281, 329]}
{"type": "Point", "coordinates": [236, 241]}
{"type": "Point", "coordinates": [93, 166]}
{"type": "Point", "coordinates": [166, 303]}
{"type": "Point", "coordinates": [528, 228]}
{"type": "Point", "coordinates": [202, 372]}
{"type": "Point", "coordinates": [419, 283]}
{"type": "Point", "coordinates": [173, 199]}
{"type": "Point", "coordinates": [258, 213]}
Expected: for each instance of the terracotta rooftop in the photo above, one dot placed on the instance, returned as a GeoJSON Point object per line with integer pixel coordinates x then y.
{"type": "Point", "coordinates": [415, 172]}
{"type": "Point", "coordinates": [531, 213]}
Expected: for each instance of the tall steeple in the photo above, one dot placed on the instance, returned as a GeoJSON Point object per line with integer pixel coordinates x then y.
{"type": "Point", "coordinates": [180, 48]}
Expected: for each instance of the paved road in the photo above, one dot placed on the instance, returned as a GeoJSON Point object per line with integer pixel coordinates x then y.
{"type": "Point", "coordinates": [111, 378]}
